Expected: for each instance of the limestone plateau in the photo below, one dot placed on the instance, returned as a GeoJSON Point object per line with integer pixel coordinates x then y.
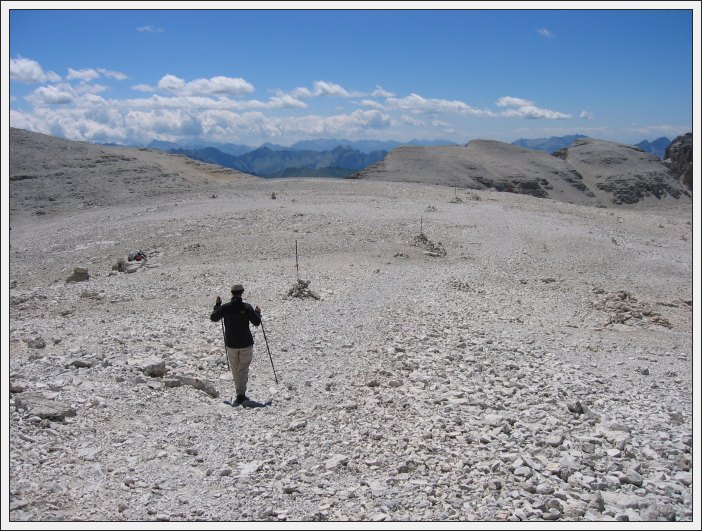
{"type": "Point", "coordinates": [468, 354]}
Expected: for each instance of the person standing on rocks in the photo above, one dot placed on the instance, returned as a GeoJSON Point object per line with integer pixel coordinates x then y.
{"type": "Point", "coordinates": [238, 340]}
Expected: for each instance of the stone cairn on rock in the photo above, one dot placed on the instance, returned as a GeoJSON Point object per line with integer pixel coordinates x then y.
{"type": "Point", "coordinates": [431, 248]}
{"type": "Point", "coordinates": [627, 309]}
{"type": "Point", "coordinates": [301, 290]}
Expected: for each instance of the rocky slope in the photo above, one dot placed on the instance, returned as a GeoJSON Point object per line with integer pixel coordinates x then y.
{"type": "Point", "coordinates": [540, 368]}
{"type": "Point", "coordinates": [623, 175]}
{"type": "Point", "coordinates": [50, 175]}
{"type": "Point", "coordinates": [590, 172]}
{"type": "Point", "coordinates": [678, 157]}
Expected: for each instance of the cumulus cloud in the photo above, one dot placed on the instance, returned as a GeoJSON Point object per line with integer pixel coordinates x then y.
{"type": "Point", "coordinates": [439, 123]}
{"type": "Point", "coordinates": [234, 86]}
{"type": "Point", "coordinates": [586, 115]}
{"type": "Point", "coordinates": [544, 32]}
{"type": "Point", "coordinates": [410, 120]}
{"type": "Point", "coordinates": [29, 71]}
{"type": "Point", "coordinates": [112, 74]}
{"type": "Point", "coordinates": [143, 88]}
{"type": "Point", "coordinates": [51, 95]}
{"type": "Point", "coordinates": [86, 74]}
{"type": "Point", "coordinates": [380, 92]}
{"type": "Point", "coordinates": [418, 104]}
{"type": "Point", "coordinates": [372, 103]}
{"type": "Point", "coordinates": [520, 108]}
{"type": "Point", "coordinates": [157, 101]}
{"type": "Point", "coordinates": [149, 29]}
{"type": "Point", "coordinates": [324, 88]}
{"type": "Point", "coordinates": [141, 125]}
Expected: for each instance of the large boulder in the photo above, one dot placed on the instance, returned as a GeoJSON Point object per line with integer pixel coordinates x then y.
{"type": "Point", "coordinates": [80, 274]}
{"type": "Point", "coordinates": [39, 405]}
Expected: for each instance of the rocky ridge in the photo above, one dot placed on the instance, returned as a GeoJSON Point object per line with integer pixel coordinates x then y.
{"type": "Point", "coordinates": [589, 172]}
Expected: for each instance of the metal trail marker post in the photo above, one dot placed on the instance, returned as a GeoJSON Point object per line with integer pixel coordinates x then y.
{"type": "Point", "coordinates": [297, 267]}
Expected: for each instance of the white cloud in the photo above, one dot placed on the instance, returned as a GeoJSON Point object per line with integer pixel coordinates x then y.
{"type": "Point", "coordinates": [51, 95]}
{"type": "Point", "coordinates": [286, 101]}
{"type": "Point", "coordinates": [439, 123]}
{"type": "Point", "coordinates": [87, 74]}
{"type": "Point", "coordinates": [30, 71]}
{"type": "Point", "coordinates": [506, 101]}
{"type": "Point", "coordinates": [149, 29]}
{"type": "Point", "coordinates": [106, 122]}
{"type": "Point", "coordinates": [235, 86]}
{"type": "Point", "coordinates": [324, 88]}
{"type": "Point", "coordinates": [586, 115]}
{"type": "Point", "coordinates": [301, 92]}
{"type": "Point", "coordinates": [520, 108]}
{"type": "Point", "coordinates": [416, 103]}
{"type": "Point", "coordinates": [372, 103]}
{"type": "Point", "coordinates": [112, 74]}
{"type": "Point", "coordinates": [380, 92]}
{"type": "Point", "coordinates": [200, 103]}
{"type": "Point", "coordinates": [544, 32]}
{"type": "Point", "coordinates": [170, 83]}
{"type": "Point", "coordinates": [410, 120]}
{"type": "Point", "coordinates": [144, 88]}
{"type": "Point", "coordinates": [653, 131]}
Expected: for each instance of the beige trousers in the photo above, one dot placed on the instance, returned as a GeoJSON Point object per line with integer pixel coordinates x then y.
{"type": "Point", "coordinates": [239, 361]}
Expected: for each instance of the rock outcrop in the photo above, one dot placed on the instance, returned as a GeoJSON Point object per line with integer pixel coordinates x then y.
{"type": "Point", "coordinates": [589, 172]}
{"type": "Point", "coordinates": [622, 175]}
{"type": "Point", "coordinates": [678, 157]}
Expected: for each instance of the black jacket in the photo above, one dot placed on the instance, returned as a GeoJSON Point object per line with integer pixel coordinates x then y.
{"type": "Point", "coordinates": [237, 316]}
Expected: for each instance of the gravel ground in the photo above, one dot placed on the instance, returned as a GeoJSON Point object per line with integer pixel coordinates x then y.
{"type": "Point", "coordinates": [539, 368]}
{"type": "Point", "coordinates": [526, 360]}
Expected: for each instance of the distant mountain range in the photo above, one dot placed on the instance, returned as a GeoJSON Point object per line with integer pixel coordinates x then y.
{"type": "Point", "coordinates": [318, 144]}
{"type": "Point", "coordinates": [334, 157]}
{"type": "Point", "coordinates": [548, 145]}
{"type": "Point", "coordinates": [280, 162]}
{"type": "Point", "coordinates": [657, 147]}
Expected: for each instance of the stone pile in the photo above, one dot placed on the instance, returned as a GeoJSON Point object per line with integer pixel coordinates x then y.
{"type": "Point", "coordinates": [301, 290]}
{"type": "Point", "coordinates": [430, 248]}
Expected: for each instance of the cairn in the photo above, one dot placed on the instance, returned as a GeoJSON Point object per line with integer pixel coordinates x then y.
{"type": "Point", "coordinates": [431, 248]}
{"type": "Point", "coordinates": [301, 290]}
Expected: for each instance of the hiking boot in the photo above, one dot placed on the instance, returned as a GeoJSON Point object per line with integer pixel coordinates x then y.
{"type": "Point", "coordinates": [240, 399]}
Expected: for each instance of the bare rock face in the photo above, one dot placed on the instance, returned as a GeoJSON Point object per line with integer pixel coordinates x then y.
{"type": "Point", "coordinates": [678, 157]}
{"type": "Point", "coordinates": [590, 172]}
{"type": "Point", "coordinates": [484, 165]}
{"type": "Point", "coordinates": [622, 174]}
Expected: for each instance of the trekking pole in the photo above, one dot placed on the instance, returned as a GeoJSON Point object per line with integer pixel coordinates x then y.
{"type": "Point", "coordinates": [269, 351]}
{"type": "Point", "coordinates": [224, 336]}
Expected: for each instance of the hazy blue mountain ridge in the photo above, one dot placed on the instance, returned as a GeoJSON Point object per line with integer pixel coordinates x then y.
{"type": "Point", "coordinates": [267, 162]}
{"type": "Point", "coordinates": [548, 145]}
{"type": "Point", "coordinates": [657, 147]}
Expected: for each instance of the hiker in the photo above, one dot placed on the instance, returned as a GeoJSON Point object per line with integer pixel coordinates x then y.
{"type": "Point", "coordinates": [238, 340]}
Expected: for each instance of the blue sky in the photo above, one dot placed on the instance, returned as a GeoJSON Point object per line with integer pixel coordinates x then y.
{"type": "Point", "coordinates": [251, 76]}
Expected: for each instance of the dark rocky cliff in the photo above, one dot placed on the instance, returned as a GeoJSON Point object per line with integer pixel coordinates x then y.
{"type": "Point", "coordinates": [678, 157]}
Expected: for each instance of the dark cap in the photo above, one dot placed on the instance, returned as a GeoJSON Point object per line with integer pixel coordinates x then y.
{"type": "Point", "coordinates": [237, 288]}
